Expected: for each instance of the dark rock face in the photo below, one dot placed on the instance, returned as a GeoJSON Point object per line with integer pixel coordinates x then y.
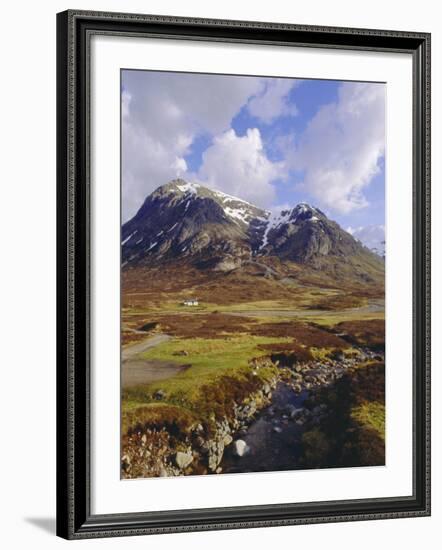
{"type": "Point", "coordinates": [188, 220]}
{"type": "Point", "coordinates": [307, 234]}
{"type": "Point", "coordinates": [211, 230]}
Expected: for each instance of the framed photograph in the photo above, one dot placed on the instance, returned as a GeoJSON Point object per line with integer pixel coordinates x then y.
{"type": "Point", "coordinates": [243, 274]}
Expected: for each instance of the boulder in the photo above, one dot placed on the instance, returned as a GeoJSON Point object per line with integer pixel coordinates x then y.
{"type": "Point", "coordinates": [240, 447]}
{"type": "Point", "coordinates": [182, 460]}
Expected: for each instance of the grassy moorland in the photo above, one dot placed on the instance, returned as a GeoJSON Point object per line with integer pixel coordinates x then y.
{"type": "Point", "coordinates": [354, 432]}
{"type": "Point", "coordinates": [219, 374]}
{"type": "Point", "coordinates": [229, 347]}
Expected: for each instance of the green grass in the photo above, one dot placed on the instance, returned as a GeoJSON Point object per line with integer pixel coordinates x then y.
{"type": "Point", "coordinates": [210, 359]}
{"type": "Point", "coordinates": [371, 415]}
{"type": "Point", "coordinates": [220, 373]}
{"type": "Point", "coordinates": [203, 353]}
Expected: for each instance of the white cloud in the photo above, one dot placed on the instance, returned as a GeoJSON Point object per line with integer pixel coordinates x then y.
{"type": "Point", "coordinates": [372, 236]}
{"type": "Point", "coordinates": [342, 146]}
{"type": "Point", "coordinates": [162, 113]}
{"type": "Point", "coordinates": [272, 101]}
{"type": "Point", "coordinates": [239, 166]}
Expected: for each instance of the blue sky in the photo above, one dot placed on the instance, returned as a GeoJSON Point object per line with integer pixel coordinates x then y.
{"type": "Point", "coordinates": [272, 141]}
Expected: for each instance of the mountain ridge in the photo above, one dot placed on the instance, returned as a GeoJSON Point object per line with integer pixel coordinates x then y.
{"type": "Point", "coordinates": [183, 221]}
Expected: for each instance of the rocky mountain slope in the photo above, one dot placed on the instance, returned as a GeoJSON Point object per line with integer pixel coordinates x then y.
{"type": "Point", "coordinates": [187, 222]}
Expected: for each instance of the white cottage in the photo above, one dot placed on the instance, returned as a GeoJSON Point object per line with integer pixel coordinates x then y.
{"type": "Point", "coordinates": [190, 302]}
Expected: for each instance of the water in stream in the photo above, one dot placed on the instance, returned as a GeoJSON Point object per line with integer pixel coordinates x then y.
{"type": "Point", "coordinates": [273, 439]}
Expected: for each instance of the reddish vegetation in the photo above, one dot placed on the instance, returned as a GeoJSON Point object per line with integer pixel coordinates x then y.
{"type": "Point", "coordinates": [288, 354]}
{"type": "Point", "coordinates": [144, 287]}
{"type": "Point", "coordinates": [340, 440]}
{"type": "Point", "coordinates": [368, 333]}
{"type": "Point", "coordinates": [131, 338]}
{"type": "Point", "coordinates": [220, 398]}
{"type": "Point", "coordinates": [367, 384]}
{"type": "Point", "coordinates": [174, 419]}
{"type": "Point", "coordinates": [305, 334]}
{"type": "Point", "coordinates": [212, 325]}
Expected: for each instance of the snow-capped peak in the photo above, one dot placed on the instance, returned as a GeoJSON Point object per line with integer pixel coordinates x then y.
{"type": "Point", "coordinates": [301, 212]}
{"type": "Point", "coordinates": [224, 197]}
{"type": "Point", "coordinates": [188, 187]}
{"type": "Point", "coordinates": [238, 210]}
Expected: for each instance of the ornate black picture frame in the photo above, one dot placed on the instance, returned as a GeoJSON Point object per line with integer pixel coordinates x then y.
{"type": "Point", "coordinates": [74, 31]}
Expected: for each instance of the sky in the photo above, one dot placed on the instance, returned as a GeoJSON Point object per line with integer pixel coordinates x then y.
{"type": "Point", "coordinates": [274, 142]}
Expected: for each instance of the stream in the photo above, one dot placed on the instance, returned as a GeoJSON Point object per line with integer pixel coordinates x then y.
{"type": "Point", "coordinates": [273, 439]}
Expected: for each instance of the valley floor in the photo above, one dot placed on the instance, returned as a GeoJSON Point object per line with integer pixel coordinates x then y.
{"type": "Point", "coordinates": [250, 385]}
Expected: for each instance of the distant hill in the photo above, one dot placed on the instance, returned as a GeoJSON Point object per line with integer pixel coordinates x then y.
{"type": "Point", "coordinates": [372, 236]}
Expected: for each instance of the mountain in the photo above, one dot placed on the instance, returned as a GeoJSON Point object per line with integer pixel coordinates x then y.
{"type": "Point", "coordinates": [371, 236]}
{"type": "Point", "coordinates": [305, 233]}
{"type": "Point", "coordinates": [187, 222]}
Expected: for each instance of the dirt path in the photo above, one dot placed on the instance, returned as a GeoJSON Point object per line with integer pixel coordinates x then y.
{"type": "Point", "coordinates": [138, 371]}
{"type": "Point", "coordinates": [133, 350]}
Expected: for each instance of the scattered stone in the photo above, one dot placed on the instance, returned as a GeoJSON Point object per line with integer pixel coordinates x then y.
{"type": "Point", "coordinates": [297, 412]}
{"type": "Point", "coordinates": [277, 429]}
{"type": "Point", "coordinates": [159, 394]}
{"type": "Point", "coordinates": [240, 447]}
{"type": "Point", "coordinates": [227, 439]}
{"type": "Point", "coordinates": [182, 460]}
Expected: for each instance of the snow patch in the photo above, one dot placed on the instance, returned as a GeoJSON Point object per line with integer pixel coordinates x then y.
{"type": "Point", "coordinates": [240, 214]}
{"type": "Point", "coordinates": [227, 198]}
{"type": "Point", "coordinates": [274, 221]}
{"type": "Point", "coordinates": [127, 238]}
{"type": "Point", "coordinates": [189, 188]}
